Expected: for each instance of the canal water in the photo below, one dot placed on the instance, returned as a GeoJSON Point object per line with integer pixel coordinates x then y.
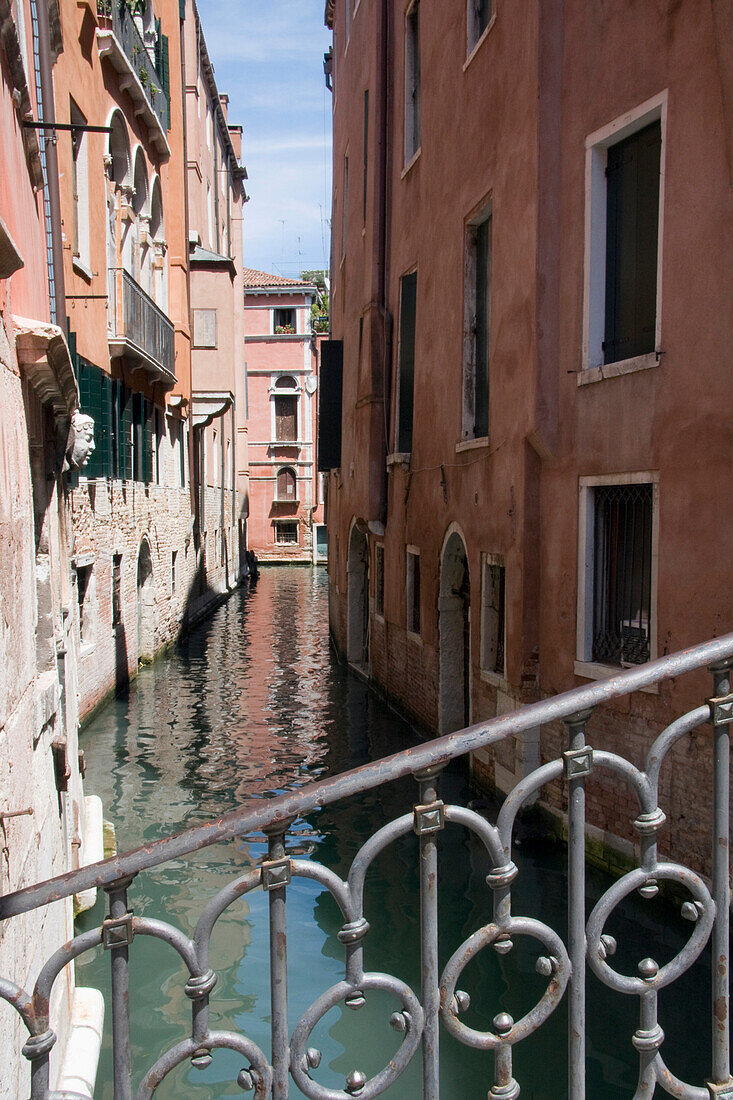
{"type": "Point", "coordinates": [251, 703]}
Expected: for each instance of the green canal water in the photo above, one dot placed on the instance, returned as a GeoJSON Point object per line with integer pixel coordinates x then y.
{"type": "Point", "coordinates": [253, 703]}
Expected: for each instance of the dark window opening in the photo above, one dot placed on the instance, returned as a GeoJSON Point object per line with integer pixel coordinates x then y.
{"type": "Point", "coordinates": [379, 581]}
{"type": "Point", "coordinates": [116, 589]}
{"type": "Point", "coordinates": [412, 81]}
{"type": "Point", "coordinates": [408, 304]}
{"type": "Point", "coordinates": [493, 618]}
{"type": "Point", "coordinates": [84, 596]}
{"type": "Point", "coordinates": [632, 232]}
{"type": "Point", "coordinates": [622, 572]}
{"type": "Point", "coordinates": [413, 592]}
{"type": "Point", "coordinates": [483, 320]}
{"type": "Point", "coordinates": [366, 157]}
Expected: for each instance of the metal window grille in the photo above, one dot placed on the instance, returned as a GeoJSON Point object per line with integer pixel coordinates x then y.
{"type": "Point", "coordinates": [493, 618]}
{"type": "Point", "coordinates": [413, 593]}
{"type": "Point", "coordinates": [116, 589]}
{"type": "Point", "coordinates": [286, 531]}
{"type": "Point", "coordinates": [622, 538]}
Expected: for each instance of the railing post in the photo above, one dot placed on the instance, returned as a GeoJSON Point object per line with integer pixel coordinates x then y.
{"type": "Point", "coordinates": [721, 711]}
{"type": "Point", "coordinates": [116, 937]}
{"type": "Point", "coordinates": [275, 878]}
{"type": "Point", "coordinates": [429, 820]}
{"type": "Point", "coordinates": [578, 763]}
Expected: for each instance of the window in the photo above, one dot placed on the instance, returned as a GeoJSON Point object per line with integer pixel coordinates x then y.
{"type": "Point", "coordinates": [286, 532]}
{"type": "Point", "coordinates": [617, 593]}
{"type": "Point", "coordinates": [85, 596]}
{"type": "Point", "coordinates": [493, 614]}
{"type": "Point", "coordinates": [632, 225]}
{"type": "Point", "coordinates": [348, 19]}
{"type": "Point", "coordinates": [286, 485]}
{"type": "Point", "coordinates": [379, 580]}
{"type": "Point", "coordinates": [412, 81]}
{"type": "Point", "coordinates": [284, 322]}
{"type": "Point", "coordinates": [413, 591]}
{"type": "Point", "coordinates": [174, 561]}
{"type": "Point", "coordinates": [116, 589]}
{"type": "Point", "coordinates": [80, 188]}
{"type": "Point", "coordinates": [204, 328]}
{"type": "Point", "coordinates": [479, 16]}
{"type": "Point", "coordinates": [286, 410]}
{"type": "Point", "coordinates": [366, 157]}
{"type": "Point", "coordinates": [624, 210]}
{"type": "Point", "coordinates": [408, 309]}
{"type": "Point", "coordinates": [477, 327]}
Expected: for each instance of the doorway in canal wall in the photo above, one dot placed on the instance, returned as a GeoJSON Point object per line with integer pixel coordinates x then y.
{"type": "Point", "coordinates": [454, 630]}
{"type": "Point", "coordinates": [145, 604]}
{"type": "Point", "coordinates": [357, 639]}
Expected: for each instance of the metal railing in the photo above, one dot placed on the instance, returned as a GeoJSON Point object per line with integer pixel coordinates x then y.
{"type": "Point", "coordinates": [118, 15]}
{"type": "Point", "coordinates": [144, 328]}
{"type": "Point", "coordinates": [439, 1002]}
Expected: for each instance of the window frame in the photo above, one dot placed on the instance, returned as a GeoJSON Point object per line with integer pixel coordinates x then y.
{"type": "Point", "coordinates": [490, 672]}
{"type": "Point", "coordinates": [399, 427]}
{"type": "Point", "coordinates": [585, 665]}
{"type": "Point", "coordinates": [278, 525]}
{"type": "Point", "coordinates": [379, 581]}
{"type": "Point", "coordinates": [482, 216]}
{"type": "Point", "coordinates": [275, 326]}
{"type": "Point", "coordinates": [412, 114]}
{"type": "Point", "coordinates": [293, 391]}
{"type": "Point", "coordinates": [81, 243]}
{"type": "Point", "coordinates": [413, 617]}
{"type": "Point", "coordinates": [283, 470]}
{"type": "Point", "coordinates": [597, 145]}
{"type": "Point", "coordinates": [474, 34]}
{"type": "Point", "coordinates": [197, 335]}
{"type": "Point", "coordinates": [116, 601]}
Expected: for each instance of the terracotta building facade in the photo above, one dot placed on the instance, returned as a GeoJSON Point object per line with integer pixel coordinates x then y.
{"type": "Point", "coordinates": [281, 362]}
{"type": "Point", "coordinates": [531, 217]}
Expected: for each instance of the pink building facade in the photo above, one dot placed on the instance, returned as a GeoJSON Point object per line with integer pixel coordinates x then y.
{"type": "Point", "coordinates": [286, 521]}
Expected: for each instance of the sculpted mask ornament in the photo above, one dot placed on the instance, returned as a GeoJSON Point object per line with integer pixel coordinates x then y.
{"type": "Point", "coordinates": [82, 440]}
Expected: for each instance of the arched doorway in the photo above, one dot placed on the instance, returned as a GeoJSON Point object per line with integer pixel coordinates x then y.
{"type": "Point", "coordinates": [454, 624]}
{"type": "Point", "coordinates": [357, 641]}
{"type": "Point", "coordinates": [145, 604]}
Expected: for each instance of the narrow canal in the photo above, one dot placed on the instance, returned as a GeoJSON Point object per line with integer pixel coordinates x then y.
{"type": "Point", "coordinates": [252, 703]}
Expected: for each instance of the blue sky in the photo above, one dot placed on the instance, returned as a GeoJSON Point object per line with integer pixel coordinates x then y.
{"type": "Point", "coordinates": [268, 57]}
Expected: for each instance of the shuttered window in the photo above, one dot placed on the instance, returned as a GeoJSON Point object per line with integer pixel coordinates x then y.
{"type": "Point", "coordinates": [286, 484]}
{"type": "Point", "coordinates": [286, 418]}
{"type": "Point", "coordinates": [632, 232]}
{"type": "Point", "coordinates": [483, 317]}
{"type": "Point", "coordinates": [408, 303]}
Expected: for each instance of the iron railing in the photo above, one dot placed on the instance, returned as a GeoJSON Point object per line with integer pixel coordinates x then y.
{"type": "Point", "coordinates": [122, 23]}
{"type": "Point", "coordinates": [137, 323]}
{"type": "Point", "coordinates": [439, 1002]}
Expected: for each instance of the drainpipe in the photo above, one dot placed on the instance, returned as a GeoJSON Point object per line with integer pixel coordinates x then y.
{"type": "Point", "coordinates": [52, 163]}
{"type": "Point", "coordinates": [384, 169]}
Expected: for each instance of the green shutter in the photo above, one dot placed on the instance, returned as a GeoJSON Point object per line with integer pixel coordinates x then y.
{"type": "Point", "coordinates": [147, 434]}
{"type": "Point", "coordinates": [165, 75]}
{"type": "Point", "coordinates": [126, 438]}
{"type": "Point", "coordinates": [182, 9]}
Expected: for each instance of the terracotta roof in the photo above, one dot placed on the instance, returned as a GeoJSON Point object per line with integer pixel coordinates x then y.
{"type": "Point", "coordinates": [261, 278]}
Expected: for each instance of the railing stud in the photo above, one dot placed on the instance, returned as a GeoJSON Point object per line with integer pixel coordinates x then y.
{"type": "Point", "coordinates": [721, 709]}
{"type": "Point", "coordinates": [429, 820]}
{"type": "Point", "coordinates": [275, 878]}
{"type": "Point", "coordinates": [120, 926]}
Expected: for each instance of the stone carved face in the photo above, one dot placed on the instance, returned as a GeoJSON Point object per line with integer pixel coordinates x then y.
{"type": "Point", "coordinates": [82, 447]}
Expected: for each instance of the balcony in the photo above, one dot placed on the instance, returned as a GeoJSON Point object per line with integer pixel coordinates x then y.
{"type": "Point", "coordinates": [138, 330]}
{"type": "Point", "coordinates": [120, 42]}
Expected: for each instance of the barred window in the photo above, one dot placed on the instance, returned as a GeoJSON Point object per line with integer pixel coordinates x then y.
{"type": "Point", "coordinates": [286, 532]}
{"type": "Point", "coordinates": [493, 614]}
{"type": "Point", "coordinates": [622, 573]}
{"type": "Point", "coordinates": [413, 592]}
{"type": "Point", "coordinates": [379, 580]}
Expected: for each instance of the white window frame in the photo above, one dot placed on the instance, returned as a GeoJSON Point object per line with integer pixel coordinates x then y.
{"type": "Point", "coordinates": [489, 672]}
{"type": "Point", "coordinates": [584, 664]}
{"type": "Point", "coordinates": [294, 310]}
{"type": "Point", "coordinates": [597, 145]}
{"type": "Point", "coordinates": [291, 391]}
{"type": "Point", "coordinates": [411, 554]}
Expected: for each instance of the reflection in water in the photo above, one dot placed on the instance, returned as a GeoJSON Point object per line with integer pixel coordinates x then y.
{"type": "Point", "coordinates": [253, 703]}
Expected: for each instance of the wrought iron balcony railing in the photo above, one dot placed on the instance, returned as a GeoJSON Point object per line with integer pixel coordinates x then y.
{"type": "Point", "coordinates": [119, 40]}
{"type": "Point", "coordinates": [138, 329]}
{"type": "Point", "coordinates": [439, 1002]}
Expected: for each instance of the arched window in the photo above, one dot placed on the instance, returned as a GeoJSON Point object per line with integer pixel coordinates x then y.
{"type": "Point", "coordinates": [140, 195]}
{"type": "Point", "coordinates": [157, 237]}
{"type": "Point", "coordinates": [119, 151]}
{"type": "Point", "coordinates": [286, 409]}
{"type": "Point", "coordinates": [286, 484]}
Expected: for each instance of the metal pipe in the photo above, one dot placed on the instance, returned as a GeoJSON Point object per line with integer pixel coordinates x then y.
{"type": "Point", "coordinates": [259, 813]}
{"type": "Point", "coordinates": [52, 163]}
{"type": "Point", "coordinates": [576, 906]}
{"type": "Point", "coordinates": [721, 871]}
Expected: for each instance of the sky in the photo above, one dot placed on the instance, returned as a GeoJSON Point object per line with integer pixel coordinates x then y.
{"type": "Point", "coordinates": [268, 58]}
